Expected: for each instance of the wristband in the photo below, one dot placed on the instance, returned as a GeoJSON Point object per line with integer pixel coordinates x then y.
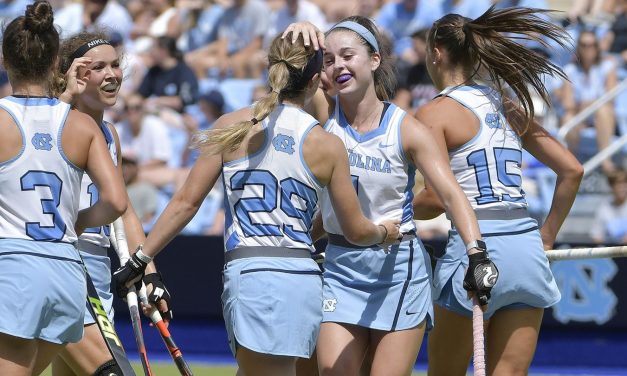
{"type": "Point", "coordinates": [143, 257]}
{"type": "Point", "coordinates": [386, 234]}
{"type": "Point", "coordinates": [479, 244]}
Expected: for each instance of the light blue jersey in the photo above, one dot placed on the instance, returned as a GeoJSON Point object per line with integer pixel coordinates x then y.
{"type": "Point", "coordinates": [382, 176]}
{"type": "Point", "coordinates": [41, 274]}
{"type": "Point", "coordinates": [365, 286]}
{"type": "Point", "coordinates": [488, 167]}
{"type": "Point", "coordinates": [272, 286]}
{"type": "Point", "coordinates": [488, 170]}
{"type": "Point", "coordinates": [89, 196]}
{"type": "Point", "coordinates": [271, 196]}
{"type": "Point", "coordinates": [39, 187]}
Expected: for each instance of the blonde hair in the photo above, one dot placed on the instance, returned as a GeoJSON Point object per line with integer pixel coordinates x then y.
{"type": "Point", "coordinates": [285, 78]}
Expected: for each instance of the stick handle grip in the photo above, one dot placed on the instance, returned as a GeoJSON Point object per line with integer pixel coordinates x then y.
{"type": "Point", "coordinates": [478, 343]}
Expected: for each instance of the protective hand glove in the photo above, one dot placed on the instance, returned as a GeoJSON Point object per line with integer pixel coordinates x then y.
{"type": "Point", "coordinates": [481, 276]}
{"type": "Point", "coordinates": [131, 273]}
{"type": "Point", "coordinates": [159, 295]}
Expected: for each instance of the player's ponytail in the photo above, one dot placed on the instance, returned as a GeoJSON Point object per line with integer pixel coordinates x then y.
{"type": "Point", "coordinates": [291, 68]}
{"type": "Point", "coordinates": [489, 46]}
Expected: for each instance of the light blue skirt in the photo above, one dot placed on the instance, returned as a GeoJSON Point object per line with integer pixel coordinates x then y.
{"type": "Point", "coordinates": [273, 305]}
{"type": "Point", "coordinates": [525, 278]}
{"type": "Point", "coordinates": [42, 289]}
{"type": "Point", "coordinates": [99, 269]}
{"type": "Point", "coordinates": [372, 289]}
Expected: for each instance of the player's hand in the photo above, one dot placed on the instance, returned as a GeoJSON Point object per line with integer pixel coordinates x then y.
{"type": "Point", "coordinates": [481, 276]}
{"type": "Point", "coordinates": [311, 34]}
{"type": "Point", "coordinates": [129, 275]}
{"type": "Point", "coordinates": [392, 234]}
{"type": "Point", "coordinates": [75, 79]}
{"type": "Point", "coordinates": [158, 295]}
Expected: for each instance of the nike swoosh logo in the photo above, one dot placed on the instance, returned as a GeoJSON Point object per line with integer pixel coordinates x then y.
{"type": "Point", "coordinates": [410, 313]}
{"type": "Point", "coordinates": [382, 145]}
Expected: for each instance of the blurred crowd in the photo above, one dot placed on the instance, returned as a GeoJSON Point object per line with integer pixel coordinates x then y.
{"type": "Point", "coordinates": [186, 62]}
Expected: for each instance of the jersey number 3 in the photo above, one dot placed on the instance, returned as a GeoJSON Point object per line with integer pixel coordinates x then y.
{"type": "Point", "coordinates": [35, 230]}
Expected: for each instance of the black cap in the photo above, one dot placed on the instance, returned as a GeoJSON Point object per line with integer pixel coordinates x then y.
{"type": "Point", "coordinates": [215, 98]}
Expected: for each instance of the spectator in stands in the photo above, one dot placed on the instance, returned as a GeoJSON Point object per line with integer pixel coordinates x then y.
{"type": "Point", "coordinates": [144, 137]}
{"type": "Point", "coordinates": [295, 11]}
{"type": "Point", "coordinates": [615, 39]}
{"type": "Point", "coordinates": [5, 87]}
{"type": "Point", "coordinates": [369, 8]}
{"type": "Point", "coordinates": [237, 50]}
{"type": "Point", "coordinates": [610, 220]}
{"type": "Point", "coordinates": [198, 23]}
{"type": "Point", "coordinates": [211, 106]}
{"type": "Point", "coordinates": [143, 196]}
{"type": "Point", "coordinates": [589, 78]}
{"type": "Point", "coordinates": [10, 9]}
{"type": "Point", "coordinates": [90, 15]}
{"type": "Point", "coordinates": [467, 8]}
{"type": "Point", "coordinates": [539, 4]}
{"type": "Point", "coordinates": [399, 18]}
{"type": "Point", "coordinates": [594, 8]}
{"type": "Point", "coordinates": [170, 82]}
{"type": "Point", "coordinates": [414, 84]}
{"type": "Point", "coordinates": [153, 18]}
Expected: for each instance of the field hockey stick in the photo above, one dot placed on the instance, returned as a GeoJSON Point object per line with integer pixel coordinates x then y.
{"type": "Point", "coordinates": [118, 239]}
{"type": "Point", "coordinates": [478, 342]}
{"type": "Point", "coordinates": [586, 253]}
{"type": "Point", "coordinates": [158, 322]}
{"type": "Point", "coordinates": [110, 337]}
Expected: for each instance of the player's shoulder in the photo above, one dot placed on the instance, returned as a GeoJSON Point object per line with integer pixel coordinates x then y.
{"type": "Point", "coordinates": [323, 138]}
{"type": "Point", "coordinates": [243, 114]}
{"type": "Point", "coordinates": [79, 121]}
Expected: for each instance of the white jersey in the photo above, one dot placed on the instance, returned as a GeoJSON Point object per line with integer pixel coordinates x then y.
{"type": "Point", "coordinates": [271, 195]}
{"type": "Point", "coordinates": [488, 167]}
{"type": "Point", "coordinates": [381, 174]}
{"type": "Point", "coordinates": [39, 187]}
{"type": "Point", "coordinates": [89, 196]}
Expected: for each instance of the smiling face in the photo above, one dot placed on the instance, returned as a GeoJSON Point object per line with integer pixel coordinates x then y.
{"type": "Point", "coordinates": [104, 78]}
{"type": "Point", "coordinates": [348, 64]}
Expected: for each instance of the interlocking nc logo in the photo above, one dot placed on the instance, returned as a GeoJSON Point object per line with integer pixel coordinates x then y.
{"type": "Point", "coordinates": [42, 141]}
{"type": "Point", "coordinates": [284, 143]}
{"type": "Point", "coordinates": [493, 120]}
{"type": "Point", "coordinates": [586, 295]}
{"type": "Point", "coordinates": [328, 305]}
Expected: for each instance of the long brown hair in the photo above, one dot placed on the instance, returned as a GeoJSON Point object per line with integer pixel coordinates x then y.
{"type": "Point", "coordinates": [30, 44]}
{"type": "Point", "coordinates": [287, 62]}
{"type": "Point", "coordinates": [490, 43]}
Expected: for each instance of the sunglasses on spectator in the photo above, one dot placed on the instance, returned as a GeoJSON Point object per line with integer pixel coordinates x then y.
{"type": "Point", "coordinates": [134, 108]}
{"type": "Point", "coordinates": [585, 45]}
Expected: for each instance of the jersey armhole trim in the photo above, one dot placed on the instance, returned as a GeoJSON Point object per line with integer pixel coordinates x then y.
{"type": "Point", "coordinates": [17, 123]}
{"type": "Point", "coordinates": [476, 136]}
{"type": "Point", "coordinates": [401, 152]}
{"type": "Point", "coordinates": [302, 157]}
{"type": "Point", "coordinates": [60, 144]}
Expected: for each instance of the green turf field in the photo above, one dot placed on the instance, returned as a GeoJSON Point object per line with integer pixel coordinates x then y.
{"type": "Point", "coordinates": [168, 369]}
